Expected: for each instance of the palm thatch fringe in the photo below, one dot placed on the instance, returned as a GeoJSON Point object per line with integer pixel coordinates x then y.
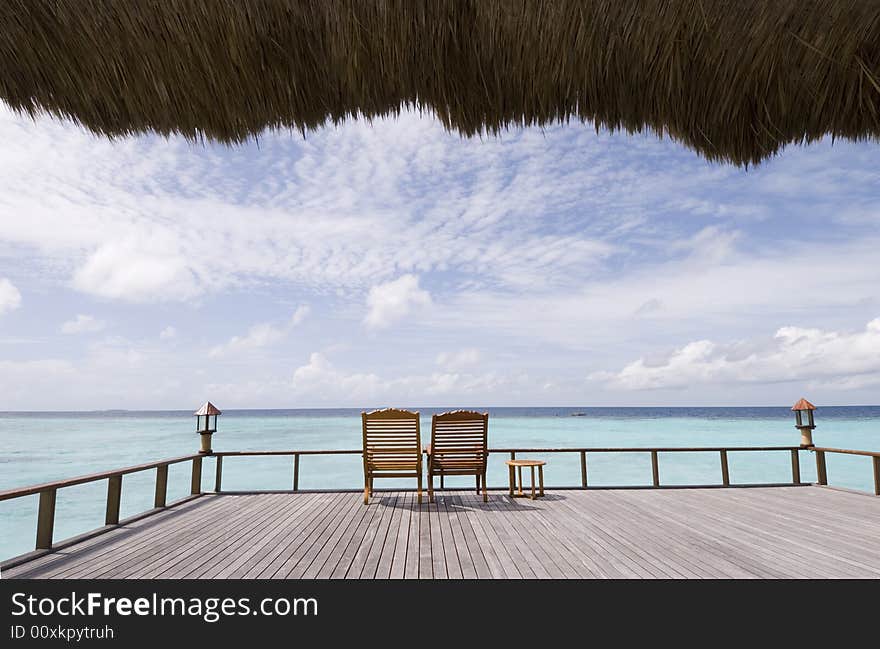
{"type": "Point", "coordinates": [735, 80]}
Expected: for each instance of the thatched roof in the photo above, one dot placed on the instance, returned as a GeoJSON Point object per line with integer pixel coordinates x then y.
{"type": "Point", "coordinates": [735, 80]}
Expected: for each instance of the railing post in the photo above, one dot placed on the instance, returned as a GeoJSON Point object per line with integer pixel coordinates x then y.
{"type": "Point", "coordinates": [46, 519]}
{"type": "Point", "coordinates": [114, 496]}
{"type": "Point", "coordinates": [196, 483]}
{"type": "Point", "coordinates": [296, 471]}
{"type": "Point", "coordinates": [655, 468]}
{"type": "Point", "coordinates": [876, 475]}
{"type": "Point", "coordinates": [161, 486]}
{"type": "Point", "coordinates": [821, 469]}
{"type": "Point", "coordinates": [725, 471]}
{"type": "Point", "coordinates": [218, 474]}
{"type": "Point", "coordinates": [795, 467]}
{"type": "Point", "coordinates": [584, 469]}
{"type": "Point", "coordinates": [513, 455]}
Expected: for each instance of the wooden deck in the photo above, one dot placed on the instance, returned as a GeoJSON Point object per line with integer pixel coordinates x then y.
{"type": "Point", "coordinates": [769, 532]}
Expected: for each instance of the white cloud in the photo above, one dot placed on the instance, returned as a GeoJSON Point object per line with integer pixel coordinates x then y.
{"type": "Point", "coordinates": [126, 270]}
{"type": "Point", "coordinates": [348, 208]}
{"type": "Point", "coordinates": [389, 302]}
{"type": "Point", "coordinates": [319, 378]}
{"type": "Point", "coordinates": [682, 298]}
{"type": "Point", "coordinates": [321, 382]}
{"type": "Point", "coordinates": [302, 312]}
{"type": "Point", "coordinates": [459, 360]}
{"type": "Point", "coordinates": [82, 324]}
{"type": "Point", "coordinates": [168, 333]}
{"type": "Point", "coordinates": [260, 335]}
{"type": "Point", "coordinates": [794, 354]}
{"type": "Point", "coordinates": [10, 298]}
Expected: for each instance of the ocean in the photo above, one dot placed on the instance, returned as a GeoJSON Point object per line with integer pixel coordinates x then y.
{"type": "Point", "coordinates": [39, 447]}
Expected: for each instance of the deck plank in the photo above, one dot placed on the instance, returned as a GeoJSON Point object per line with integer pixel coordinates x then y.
{"type": "Point", "coordinates": [366, 562]}
{"type": "Point", "coordinates": [414, 539]}
{"type": "Point", "coordinates": [253, 547]}
{"type": "Point", "coordinates": [762, 532]}
{"type": "Point", "coordinates": [292, 538]}
{"type": "Point", "coordinates": [456, 553]}
{"type": "Point", "coordinates": [323, 546]}
{"type": "Point", "coordinates": [356, 540]}
{"type": "Point", "coordinates": [396, 560]}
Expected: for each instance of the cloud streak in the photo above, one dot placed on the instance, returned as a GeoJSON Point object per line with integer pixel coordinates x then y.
{"type": "Point", "coordinates": [260, 335]}
{"type": "Point", "coordinates": [10, 297]}
{"type": "Point", "coordinates": [392, 301]}
{"type": "Point", "coordinates": [794, 354]}
{"type": "Point", "coordinates": [501, 270]}
{"type": "Point", "coordinates": [82, 324]}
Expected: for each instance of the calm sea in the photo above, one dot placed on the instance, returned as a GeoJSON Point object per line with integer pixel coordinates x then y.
{"type": "Point", "coordinates": [38, 447]}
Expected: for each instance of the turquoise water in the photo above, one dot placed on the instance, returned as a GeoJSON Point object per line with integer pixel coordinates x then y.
{"type": "Point", "coordinates": [39, 447]}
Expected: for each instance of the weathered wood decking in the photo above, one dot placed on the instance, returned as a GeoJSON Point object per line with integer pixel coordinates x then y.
{"type": "Point", "coordinates": [770, 532]}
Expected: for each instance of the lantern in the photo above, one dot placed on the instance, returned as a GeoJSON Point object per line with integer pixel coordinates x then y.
{"type": "Point", "coordinates": [803, 414]}
{"type": "Point", "coordinates": [206, 424]}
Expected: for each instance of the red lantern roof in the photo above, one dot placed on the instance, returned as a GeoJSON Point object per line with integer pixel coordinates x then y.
{"type": "Point", "coordinates": [207, 409]}
{"type": "Point", "coordinates": [803, 404]}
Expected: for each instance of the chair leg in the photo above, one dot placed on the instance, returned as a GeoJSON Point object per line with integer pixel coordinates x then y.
{"type": "Point", "coordinates": [366, 491]}
{"type": "Point", "coordinates": [485, 492]}
{"type": "Point", "coordinates": [420, 487]}
{"type": "Point", "coordinates": [430, 487]}
{"type": "Point", "coordinates": [478, 483]}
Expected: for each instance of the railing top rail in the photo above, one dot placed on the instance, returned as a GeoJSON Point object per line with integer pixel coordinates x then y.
{"type": "Point", "coordinates": [646, 449]}
{"type": "Point", "coordinates": [335, 451]}
{"type": "Point", "coordinates": [57, 484]}
{"type": "Point", "coordinates": [634, 449]}
{"type": "Point", "coordinates": [93, 477]}
{"type": "Point", "coordinates": [846, 451]}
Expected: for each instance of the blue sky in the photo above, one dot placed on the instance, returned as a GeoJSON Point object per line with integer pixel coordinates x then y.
{"type": "Point", "coordinates": [394, 263]}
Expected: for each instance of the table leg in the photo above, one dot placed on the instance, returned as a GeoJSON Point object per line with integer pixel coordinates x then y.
{"type": "Point", "coordinates": [541, 478]}
{"type": "Point", "coordinates": [533, 483]}
{"type": "Point", "coordinates": [519, 472]}
{"type": "Point", "coordinates": [511, 479]}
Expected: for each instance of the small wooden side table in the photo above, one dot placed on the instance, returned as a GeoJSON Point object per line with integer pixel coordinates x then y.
{"type": "Point", "coordinates": [518, 465]}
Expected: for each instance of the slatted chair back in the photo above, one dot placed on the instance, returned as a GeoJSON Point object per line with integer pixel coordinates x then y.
{"type": "Point", "coordinates": [392, 447]}
{"type": "Point", "coordinates": [459, 442]}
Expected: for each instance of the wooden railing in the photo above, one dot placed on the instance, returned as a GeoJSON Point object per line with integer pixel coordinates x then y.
{"type": "Point", "coordinates": [48, 491]}
{"type": "Point", "coordinates": [220, 455]}
{"type": "Point", "coordinates": [655, 465]}
{"type": "Point", "coordinates": [822, 470]}
{"type": "Point", "coordinates": [655, 457]}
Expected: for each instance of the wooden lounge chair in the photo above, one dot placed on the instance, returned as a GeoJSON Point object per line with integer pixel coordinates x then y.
{"type": "Point", "coordinates": [392, 447]}
{"type": "Point", "coordinates": [459, 446]}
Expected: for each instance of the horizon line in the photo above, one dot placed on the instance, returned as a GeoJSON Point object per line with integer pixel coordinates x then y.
{"type": "Point", "coordinates": [111, 410]}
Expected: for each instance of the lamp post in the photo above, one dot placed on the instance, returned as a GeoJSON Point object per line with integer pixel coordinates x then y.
{"type": "Point", "coordinates": [206, 425]}
{"type": "Point", "coordinates": [803, 413]}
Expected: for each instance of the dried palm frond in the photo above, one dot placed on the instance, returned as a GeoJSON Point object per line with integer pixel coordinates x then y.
{"type": "Point", "coordinates": [735, 80]}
